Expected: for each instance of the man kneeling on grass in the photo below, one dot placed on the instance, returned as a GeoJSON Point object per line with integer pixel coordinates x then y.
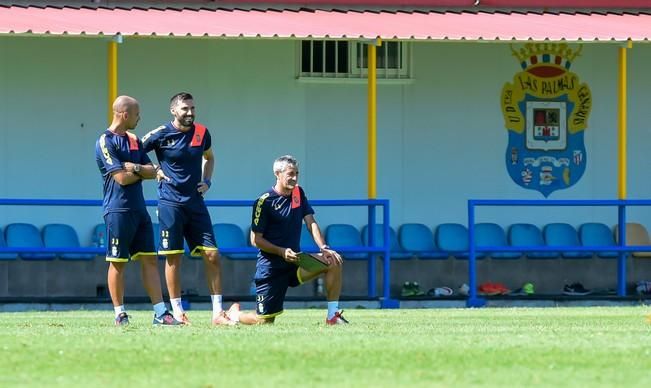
{"type": "Point", "coordinates": [276, 232]}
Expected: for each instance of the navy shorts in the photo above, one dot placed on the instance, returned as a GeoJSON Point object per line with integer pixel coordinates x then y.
{"type": "Point", "coordinates": [271, 290]}
{"type": "Point", "coordinates": [179, 222]}
{"type": "Point", "coordinates": [130, 234]}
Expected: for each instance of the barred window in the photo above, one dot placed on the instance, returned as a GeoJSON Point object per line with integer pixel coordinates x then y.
{"type": "Point", "coordinates": [344, 59]}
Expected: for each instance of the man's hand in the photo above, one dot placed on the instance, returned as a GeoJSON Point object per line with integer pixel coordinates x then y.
{"type": "Point", "coordinates": [129, 167]}
{"type": "Point", "coordinates": [331, 256]}
{"type": "Point", "coordinates": [203, 186]}
{"type": "Point", "coordinates": [290, 256]}
{"type": "Point", "coordinates": [160, 176]}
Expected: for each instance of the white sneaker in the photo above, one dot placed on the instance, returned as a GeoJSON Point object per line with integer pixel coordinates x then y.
{"type": "Point", "coordinates": [443, 291]}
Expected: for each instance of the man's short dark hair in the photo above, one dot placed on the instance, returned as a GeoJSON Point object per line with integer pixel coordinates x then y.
{"type": "Point", "coordinates": [180, 97]}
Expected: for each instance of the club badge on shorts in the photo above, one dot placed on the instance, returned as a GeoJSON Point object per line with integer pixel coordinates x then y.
{"type": "Point", "coordinates": [165, 242]}
{"type": "Point", "coordinates": [114, 247]}
{"type": "Point", "coordinates": [260, 303]}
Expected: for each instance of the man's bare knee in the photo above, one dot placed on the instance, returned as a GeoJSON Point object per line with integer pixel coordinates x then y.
{"type": "Point", "coordinates": [149, 261]}
{"type": "Point", "coordinates": [212, 257]}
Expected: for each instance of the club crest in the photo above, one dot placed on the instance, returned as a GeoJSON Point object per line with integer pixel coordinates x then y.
{"type": "Point", "coordinates": [546, 111]}
{"type": "Point", "coordinates": [114, 247]}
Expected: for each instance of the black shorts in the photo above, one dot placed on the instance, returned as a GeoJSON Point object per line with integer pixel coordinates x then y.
{"type": "Point", "coordinates": [191, 223]}
{"type": "Point", "coordinates": [130, 234]}
{"type": "Point", "coordinates": [271, 290]}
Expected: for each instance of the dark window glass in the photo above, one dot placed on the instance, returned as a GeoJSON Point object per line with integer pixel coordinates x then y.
{"type": "Point", "coordinates": [332, 56]}
{"type": "Point", "coordinates": [388, 56]}
{"type": "Point", "coordinates": [381, 55]}
{"type": "Point", "coordinates": [342, 57]}
{"type": "Point", "coordinates": [330, 50]}
{"type": "Point", "coordinates": [393, 55]}
{"type": "Point", "coordinates": [317, 56]}
{"type": "Point", "coordinates": [306, 61]}
{"type": "Point", "coordinates": [362, 55]}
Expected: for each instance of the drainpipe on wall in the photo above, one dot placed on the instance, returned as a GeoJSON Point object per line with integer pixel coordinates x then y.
{"type": "Point", "coordinates": [112, 73]}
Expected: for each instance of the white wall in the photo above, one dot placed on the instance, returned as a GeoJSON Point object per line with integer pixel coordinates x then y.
{"type": "Point", "coordinates": [53, 101]}
{"type": "Point", "coordinates": [441, 138]}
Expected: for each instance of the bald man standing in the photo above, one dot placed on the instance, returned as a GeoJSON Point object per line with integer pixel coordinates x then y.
{"type": "Point", "coordinates": [123, 165]}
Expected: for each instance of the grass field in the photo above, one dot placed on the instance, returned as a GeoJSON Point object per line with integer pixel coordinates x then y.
{"type": "Point", "coordinates": [609, 347]}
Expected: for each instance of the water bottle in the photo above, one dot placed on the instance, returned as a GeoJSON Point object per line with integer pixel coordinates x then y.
{"type": "Point", "coordinates": [101, 242]}
{"type": "Point", "coordinates": [320, 291]}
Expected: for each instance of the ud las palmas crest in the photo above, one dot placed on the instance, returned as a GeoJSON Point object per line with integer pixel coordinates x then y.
{"type": "Point", "coordinates": [546, 111]}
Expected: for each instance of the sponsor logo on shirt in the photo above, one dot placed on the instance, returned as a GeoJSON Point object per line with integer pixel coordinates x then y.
{"type": "Point", "coordinates": [258, 208]}
{"type": "Point", "coordinates": [105, 153]}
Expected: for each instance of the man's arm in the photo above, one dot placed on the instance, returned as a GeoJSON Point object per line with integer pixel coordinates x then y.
{"type": "Point", "coordinates": [208, 167]}
{"type": "Point", "coordinates": [264, 245]}
{"type": "Point", "coordinates": [145, 171]}
{"type": "Point", "coordinates": [330, 255]}
{"type": "Point", "coordinates": [315, 231]}
{"type": "Point", "coordinates": [125, 178]}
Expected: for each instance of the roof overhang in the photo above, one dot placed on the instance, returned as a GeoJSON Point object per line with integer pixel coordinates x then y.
{"type": "Point", "coordinates": [332, 24]}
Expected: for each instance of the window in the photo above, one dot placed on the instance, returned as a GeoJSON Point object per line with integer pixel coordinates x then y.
{"type": "Point", "coordinates": [328, 59]}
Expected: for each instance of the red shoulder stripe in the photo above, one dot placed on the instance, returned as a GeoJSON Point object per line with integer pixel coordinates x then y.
{"type": "Point", "coordinates": [199, 132]}
{"type": "Point", "coordinates": [133, 141]}
{"type": "Point", "coordinates": [296, 197]}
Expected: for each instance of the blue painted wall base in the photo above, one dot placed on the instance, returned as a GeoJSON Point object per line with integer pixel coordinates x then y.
{"type": "Point", "coordinates": [388, 303]}
{"type": "Point", "coordinates": [475, 302]}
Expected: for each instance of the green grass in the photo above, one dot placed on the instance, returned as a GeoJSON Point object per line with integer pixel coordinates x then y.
{"type": "Point", "coordinates": [381, 348]}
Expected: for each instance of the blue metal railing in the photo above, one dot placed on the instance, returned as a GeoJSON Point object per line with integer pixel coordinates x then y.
{"type": "Point", "coordinates": [621, 248]}
{"type": "Point", "coordinates": [372, 205]}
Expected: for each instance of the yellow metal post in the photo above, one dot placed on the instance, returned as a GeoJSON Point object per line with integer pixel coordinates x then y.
{"type": "Point", "coordinates": [621, 121]}
{"type": "Point", "coordinates": [112, 68]}
{"type": "Point", "coordinates": [372, 119]}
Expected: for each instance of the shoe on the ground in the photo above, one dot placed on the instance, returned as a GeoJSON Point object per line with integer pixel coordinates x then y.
{"type": "Point", "coordinates": [493, 289]}
{"type": "Point", "coordinates": [440, 291]}
{"type": "Point", "coordinates": [122, 320]}
{"type": "Point", "coordinates": [575, 289]}
{"type": "Point", "coordinates": [643, 287]}
{"type": "Point", "coordinates": [166, 319]}
{"type": "Point", "coordinates": [417, 291]}
{"type": "Point", "coordinates": [488, 289]}
{"type": "Point", "coordinates": [464, 289]}
{"type": "Point", "coordinates": [183, 318]}
{"type": "Point", "coordinates": [407, 290]}
{"type": "Point", "coordinates": [526, 290]}
{"type": "Point", "coordinates": [337, 319]}
{"type": "Point", "coordinates": [233, 312]}
{"type": "Point", "coordinates": [223, 320]}
{"type": "Point", "coordinates": [410, 289]}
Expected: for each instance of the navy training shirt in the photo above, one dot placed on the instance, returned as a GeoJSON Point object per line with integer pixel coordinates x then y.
{"type": "Point", "coordinates": [279, 218]}
{"type": "Point", "coordinates": [111, 150]}
{"type": "Point", "coordinates": [180, 155]}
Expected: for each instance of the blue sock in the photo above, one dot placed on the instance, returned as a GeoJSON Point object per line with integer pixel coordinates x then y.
{"type": "Point", "coordinates": [333, 307]}
{"type": "Point", "coordinates": [159, 309]}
